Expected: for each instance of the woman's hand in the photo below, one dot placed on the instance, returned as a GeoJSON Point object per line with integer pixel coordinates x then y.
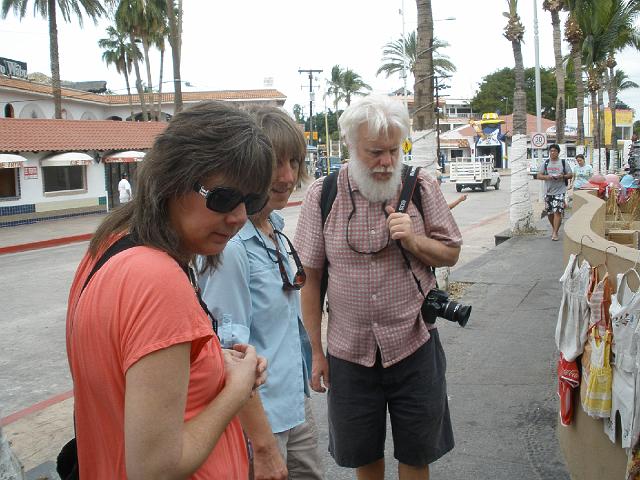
{"type": "Point", "coordinates": [245, 370]}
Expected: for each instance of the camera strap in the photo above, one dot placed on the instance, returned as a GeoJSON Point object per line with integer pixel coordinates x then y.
{"type": "Point", "coordinates": [409, 182]}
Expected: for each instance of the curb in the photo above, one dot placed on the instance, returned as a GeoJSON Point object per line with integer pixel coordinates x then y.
{"type": "Point", "coordinates": [53, 242]}
{"type": "Point", "coordinates": [23, 247]}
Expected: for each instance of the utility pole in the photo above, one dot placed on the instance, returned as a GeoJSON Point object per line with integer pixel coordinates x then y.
{"type": "Point", "coordinates": [536, 43]}
{"type": "Point", "coordinates": [310, 72]}
{"type": "Point", "coordinates": [404, 59]}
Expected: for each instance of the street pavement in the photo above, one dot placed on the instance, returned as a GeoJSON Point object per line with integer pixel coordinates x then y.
{"type": "Point", "coordinates": [500, 367]}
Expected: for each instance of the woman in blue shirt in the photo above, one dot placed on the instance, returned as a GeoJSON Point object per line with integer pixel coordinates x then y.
{"type": "Point", "coordinates": [256, 285]}
{"type": "Point", "coordinates": [582, 173]}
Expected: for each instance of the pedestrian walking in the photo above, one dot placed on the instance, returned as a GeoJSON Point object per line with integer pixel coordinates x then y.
{"type": "Point", "coordinates": [556, 174]}
{"type": "Point", "coordinates": [124, 189]}
{"type": "Point", "coordinates": [257, 289]}
{"type": "Point", "coordinates": [154, 394]}
{"type": "Point", "coordinates": [381, 356]}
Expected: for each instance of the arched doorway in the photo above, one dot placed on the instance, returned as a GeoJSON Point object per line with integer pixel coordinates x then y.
{"type": "Point", "coordinates": [8, 111]}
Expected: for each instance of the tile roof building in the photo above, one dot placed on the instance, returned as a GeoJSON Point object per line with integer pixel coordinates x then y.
{"type": "Point", "coordinates": [25, 99]}
{"type": "Point", "coordinates": [57, 168]}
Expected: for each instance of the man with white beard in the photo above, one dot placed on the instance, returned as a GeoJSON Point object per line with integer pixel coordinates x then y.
{"type": "Point", "coordinates": [380, 353]}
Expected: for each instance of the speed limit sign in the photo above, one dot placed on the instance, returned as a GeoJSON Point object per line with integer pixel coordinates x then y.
{"type": "Point", "coordinates": [539, 140]}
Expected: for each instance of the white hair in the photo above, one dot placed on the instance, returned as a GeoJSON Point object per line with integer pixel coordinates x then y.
{"type": "Point", "coordinates": [381, 113]}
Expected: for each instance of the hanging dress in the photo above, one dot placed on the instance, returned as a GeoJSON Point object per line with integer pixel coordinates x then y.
{"type": "Point", "coordinates": [573, 316]}
{"type": "Point", "coordinates": [571, 332]}
{"type": "Point", "coordinates": [624, 312]}
{"type": "Point", "coordinates": [633, 461]}
{"type": "Point", "coordinates": [595, 390]}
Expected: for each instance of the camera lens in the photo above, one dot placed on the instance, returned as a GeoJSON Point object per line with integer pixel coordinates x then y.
{"type": "Point", "coordinates": [457, 313]}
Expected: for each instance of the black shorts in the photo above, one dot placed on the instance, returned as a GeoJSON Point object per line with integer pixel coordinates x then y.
{"type": "Point", "coordinates": [554, 203]}
{"type": "Point", "coordinates": [415, 392]}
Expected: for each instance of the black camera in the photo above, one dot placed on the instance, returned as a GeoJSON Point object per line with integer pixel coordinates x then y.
{"type": "Point", "coordinates": [437, 304]}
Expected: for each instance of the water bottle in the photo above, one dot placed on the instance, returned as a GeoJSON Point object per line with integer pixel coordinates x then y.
{"type": "Point", "coordinates": [226, 331]}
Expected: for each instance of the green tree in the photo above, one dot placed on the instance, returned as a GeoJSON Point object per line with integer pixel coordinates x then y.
{"type": "Point", "coordinates": [49, 10]}
{"type": "Point", "coordinates": [353, 84]}
{"type": "Point", "coordinates": [118, 51]}
{"type": "Point", "coordinates": [636, 127]}
{"type": "Point", "coordinates": [628, 35]}
{"type": "Point", "coordinates": [606, 26]}
{"type": "Point", "coordinates": [335, 85]}
{"type": "Point", "coordinates": [496, 92]}
{"type": "Point", "coordinates": [395, 55]}
{"type": "Point", "coordinates": [298, 113]}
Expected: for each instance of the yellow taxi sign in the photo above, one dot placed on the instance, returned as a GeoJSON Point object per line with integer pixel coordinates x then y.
{"type": "Point", "coordinates": [406, 145]}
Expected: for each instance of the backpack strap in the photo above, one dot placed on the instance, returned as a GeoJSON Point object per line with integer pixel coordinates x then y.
{"type": "Point", "coordinates": [327, 197]}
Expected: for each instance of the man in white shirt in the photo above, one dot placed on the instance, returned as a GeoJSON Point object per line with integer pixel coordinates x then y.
{"type": "Point", "coordinates": [124, 189]}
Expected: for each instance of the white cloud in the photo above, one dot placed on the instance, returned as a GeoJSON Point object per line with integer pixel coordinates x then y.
{"type": "Point", "coordinates": [235, 45]}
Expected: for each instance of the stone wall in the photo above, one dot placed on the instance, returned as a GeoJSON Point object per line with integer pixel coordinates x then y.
{"type": "Point", "coordinates": [588, 452]}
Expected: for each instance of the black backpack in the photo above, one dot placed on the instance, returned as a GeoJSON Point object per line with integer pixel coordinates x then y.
{"type": "Point", "coordinates": [327, 197]}
{"type": "Point", "coordinates": [564, 169]}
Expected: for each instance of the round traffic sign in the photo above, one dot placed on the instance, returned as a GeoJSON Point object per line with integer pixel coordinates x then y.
{"type": "Point", "coordinates": [538, 140]}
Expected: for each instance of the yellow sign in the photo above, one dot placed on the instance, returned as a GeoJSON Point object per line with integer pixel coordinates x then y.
{"type": "Point", "coordinates": [406, 145]}
{"type": "Point", "coordinates": [315, 135]}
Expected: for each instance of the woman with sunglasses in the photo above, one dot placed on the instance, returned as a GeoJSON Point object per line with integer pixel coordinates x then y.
{"type": "Point", "coordinates": [155, 395]}
{"type": "Point", "coordinates": [256, 285]}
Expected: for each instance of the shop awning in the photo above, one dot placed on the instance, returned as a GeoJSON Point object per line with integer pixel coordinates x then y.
{"type": "Point", "coordinates": [124, 157]}
{"type": "Point", "coordinates": [67, 159]}
{"type": "Point", "coordinates": [9, 160]}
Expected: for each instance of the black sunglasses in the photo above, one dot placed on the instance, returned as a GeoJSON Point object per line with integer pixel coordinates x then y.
{"type": "Point", "coordinates": [225, 199]}
{"type": "Point", "coordinates": [300, 277]}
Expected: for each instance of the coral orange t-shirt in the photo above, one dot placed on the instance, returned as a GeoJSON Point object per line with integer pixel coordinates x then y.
{"type": "Point", "coordinates": [139, 302]}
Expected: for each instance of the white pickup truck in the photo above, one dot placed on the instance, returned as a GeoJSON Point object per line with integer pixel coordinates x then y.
{"type": "Point", "coordinates": [474, 172]}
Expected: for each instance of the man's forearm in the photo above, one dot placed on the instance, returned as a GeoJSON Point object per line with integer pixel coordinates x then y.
{"type": "Point", "coordinates": [432, 252]}
{"type": "Point", "coordinates": [254, 421]}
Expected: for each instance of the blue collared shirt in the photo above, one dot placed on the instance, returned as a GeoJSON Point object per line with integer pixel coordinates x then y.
{"type": "Point", "coordinates": [247, 285]}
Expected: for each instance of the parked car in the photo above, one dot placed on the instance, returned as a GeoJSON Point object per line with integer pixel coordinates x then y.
{"type": "Point", "coordinates": [335, 163]}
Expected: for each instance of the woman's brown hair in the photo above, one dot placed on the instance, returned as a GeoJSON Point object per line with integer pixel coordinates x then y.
{"type": "Point", "coordinates": [210, 138]}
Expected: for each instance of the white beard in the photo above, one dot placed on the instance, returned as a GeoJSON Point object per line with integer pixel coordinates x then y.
{"type": "Point", "coordinates": [372, 189]}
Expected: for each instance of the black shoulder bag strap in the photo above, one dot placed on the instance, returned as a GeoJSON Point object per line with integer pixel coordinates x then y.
{"type": "Point", "coordinates": [327, 197]}
{"type": "Point", "coordinates": [409, 182]}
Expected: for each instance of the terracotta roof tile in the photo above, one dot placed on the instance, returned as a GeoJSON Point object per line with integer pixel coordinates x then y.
{"type": "Point", "coordinates": [228, 95]}
{"type": "Point", "coordinates": [39, 135]}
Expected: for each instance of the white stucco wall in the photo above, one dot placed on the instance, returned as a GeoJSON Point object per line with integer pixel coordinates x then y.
{"type": "Point", "coordinates": [32, 190]}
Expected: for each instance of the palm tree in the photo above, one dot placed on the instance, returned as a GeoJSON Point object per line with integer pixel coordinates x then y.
{"type": "Point", "coordinates": [352, 84]}
{"type": "Point", "coordinates": [554, 7]}
{"type": "Point", "coordinates": [423, 106]}
{"type": "Point", "coordinates": [520, 212]}
{"type": "Point", "coordinates": [401, 52]}
{"type": "Point", "coordinates": [603, 24]}
{"type": "Point", "coordinates": [335, 86]}
{"type": "Point", "coordinates": [174, 12]}
{"type": "Point", "coordinates": [574, 36]}
{"type": "Point", "coordinates": [119, 52]}
{"type": "Point", "coordinates": [49, 9]}
{"type": "Point", "coordinates": [158, 40]}
{"type": "Point", "coordinates": [129, 17]}
{"type": "Point", "coordinates": [628, 35]}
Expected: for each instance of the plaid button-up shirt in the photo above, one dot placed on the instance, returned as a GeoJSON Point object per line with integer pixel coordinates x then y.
{"type": "Point", "coordinates": [374, 301]}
